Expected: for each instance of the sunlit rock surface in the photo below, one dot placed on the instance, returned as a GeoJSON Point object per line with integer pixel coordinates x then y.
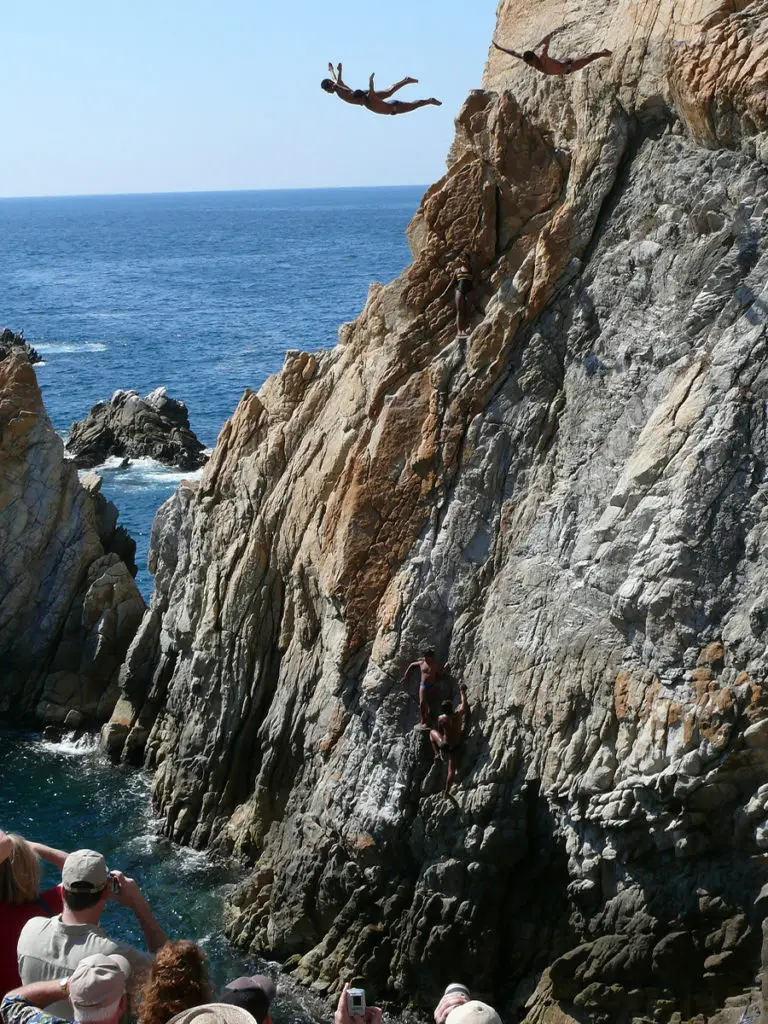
{"type": "Point", "coordinates": [69, 606]}
{"type": "Point", "coordinates": [570, 506]}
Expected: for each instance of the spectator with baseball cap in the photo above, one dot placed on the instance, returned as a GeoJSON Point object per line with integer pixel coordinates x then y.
{"type": "Point", "coordinates": [242, 1001]}
{"type": "Point", "coordinates": [97, 991]}
{"type": "Point", "coordinates": [253, 994]}
{"type": "Point", "coordinates": [51, 948]}
{"type": "Point", "coordinates": [455, 995]}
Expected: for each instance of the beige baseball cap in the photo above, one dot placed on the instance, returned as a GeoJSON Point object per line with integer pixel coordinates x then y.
{"type": "Point", "coordinates": [214, 1013]}
{"type": "Point", "coordinates": [97, 986]}
{"type": "Point", "coordinates": [84, 870]}
{"type": "Point", "coordinates": [473, 1012]}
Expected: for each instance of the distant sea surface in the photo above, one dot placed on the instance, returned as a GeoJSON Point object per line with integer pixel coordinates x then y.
{"type": "Point", "coordinates": [199, 292]}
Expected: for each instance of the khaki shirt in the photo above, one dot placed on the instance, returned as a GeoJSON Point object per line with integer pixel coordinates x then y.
{"type": "Point", "coordinates": [50, 949]}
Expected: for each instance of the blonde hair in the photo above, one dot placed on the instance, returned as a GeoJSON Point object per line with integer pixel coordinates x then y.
{"type": "Point", "coordinates": [19, 873]}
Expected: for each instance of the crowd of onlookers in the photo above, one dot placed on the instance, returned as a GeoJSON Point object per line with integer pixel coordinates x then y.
{"type": "Point", "coordinates": [58, 964]}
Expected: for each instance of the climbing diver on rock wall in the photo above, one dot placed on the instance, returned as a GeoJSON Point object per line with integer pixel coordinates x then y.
{"type": "Point", "coordinates": [464, 290]}
{"type": "Point", "coordinates": [431, 671]}
{"type": "Point", "coordinates": [549, 65]}
{"type": "Point", "coordinates": [448, 738]}
{"type": "Point", "coordinates": [375, 100]}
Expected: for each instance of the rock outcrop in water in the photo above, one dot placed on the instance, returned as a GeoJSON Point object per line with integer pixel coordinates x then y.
{"type": "Point", "coordinates": [127, 425]}
{"type": "Point", "coordinates": [571, 507]}
{"type": "Point", "coordinates": [13, 341]}
{"type": "Point", "coordinates": [69, 606]}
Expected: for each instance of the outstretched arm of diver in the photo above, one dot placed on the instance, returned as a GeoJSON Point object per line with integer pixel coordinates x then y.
{"type": "Point", "coordinates": [545, 41]}
{"type": "Point", "coordinates": [414, 664]}
{"type": "Point", "coordinates": [464, 707]}
{"type": "Point", "coordinates": [512, 53]}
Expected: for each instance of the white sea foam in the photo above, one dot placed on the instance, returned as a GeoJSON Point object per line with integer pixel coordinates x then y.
{"type": "Point", "coordinates": [39, 363]}
{"type": "Point", "coordinates": [65, 347]}
{"type": "Point", "coordinates": [87, 744]}
{"type": "Point", "coordinates": [145, 470]}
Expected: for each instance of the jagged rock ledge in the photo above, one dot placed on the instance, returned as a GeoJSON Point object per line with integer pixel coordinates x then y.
{"type": "Point", "coordinates": [130, 426]}
{"type": "Point", "coordinates": [69, 606]}
{"type": "Point", "coordinates": [13, 341]}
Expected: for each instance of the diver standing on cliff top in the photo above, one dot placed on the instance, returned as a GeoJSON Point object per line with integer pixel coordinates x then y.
{"type": "Point", "coordinates": [375, 100]}
{"type": "Point", "coordinates": [549, 65]}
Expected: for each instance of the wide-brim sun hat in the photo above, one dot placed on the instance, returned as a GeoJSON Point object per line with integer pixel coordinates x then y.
{"type": "Point", "coordinates": [473, 1012]}
{"type": "Point", "coordinates": [214, 1013]}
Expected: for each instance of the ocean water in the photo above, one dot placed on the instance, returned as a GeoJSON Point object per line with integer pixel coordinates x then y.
{"type": "Point", "coordinates": [70, 797]}
{"type": "Point", "coordinates": [202, 293]}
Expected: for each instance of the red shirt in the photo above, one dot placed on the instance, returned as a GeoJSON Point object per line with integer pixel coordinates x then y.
{"type": "Point", "coordinates": [13, 917]}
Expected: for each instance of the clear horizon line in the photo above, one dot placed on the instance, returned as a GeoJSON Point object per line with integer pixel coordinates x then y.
{"type": "Point", "coordinates": [204, 192]}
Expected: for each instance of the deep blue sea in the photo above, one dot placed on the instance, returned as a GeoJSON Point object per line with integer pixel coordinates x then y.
{"type": "Point", "coordinates": [200, 292]}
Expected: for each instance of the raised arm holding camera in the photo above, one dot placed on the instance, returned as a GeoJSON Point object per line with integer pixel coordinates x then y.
{"type": "Point", "coordinates": [352, 1008]}
{"type": "Point", "coordinates": [51, 948]}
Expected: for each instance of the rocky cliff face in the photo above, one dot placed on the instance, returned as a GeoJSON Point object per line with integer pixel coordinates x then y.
{"type": "Point", "coordinates": [128, 425]}
{"type": "Point", "coordinates": [571, 506]}
{"type": "Point", "coordinates": [68, 604]}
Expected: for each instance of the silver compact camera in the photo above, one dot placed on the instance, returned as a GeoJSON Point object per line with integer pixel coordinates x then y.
{"type": "Point", "coordinates": [356, 1002]}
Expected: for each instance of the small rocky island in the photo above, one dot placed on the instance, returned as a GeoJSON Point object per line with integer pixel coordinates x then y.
{"type": "Point", "coordinates": [14, 341]}
{"type": "Point", "coordinates": [128, 425]}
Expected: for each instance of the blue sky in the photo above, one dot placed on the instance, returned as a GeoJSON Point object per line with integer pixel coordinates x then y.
{"type": "Point", "coordinates": [106, 96]}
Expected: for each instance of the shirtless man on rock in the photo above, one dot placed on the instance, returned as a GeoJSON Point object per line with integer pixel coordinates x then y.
{"type": "Point", "coordinates": [448, 738]}
{"type": "Point", "coordinates": [431, 670]}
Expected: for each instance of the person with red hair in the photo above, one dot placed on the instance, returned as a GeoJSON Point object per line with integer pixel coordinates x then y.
{"type": "Point", "coordinates": [178, 980]}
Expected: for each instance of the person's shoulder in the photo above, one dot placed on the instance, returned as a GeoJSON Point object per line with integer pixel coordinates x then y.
{"type": "Point", "coordinates": [133, 955]}
{"type": "Point", "coordinates": [36, 926]}
{"type": "Point", "coordinates": [18, 1010]}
